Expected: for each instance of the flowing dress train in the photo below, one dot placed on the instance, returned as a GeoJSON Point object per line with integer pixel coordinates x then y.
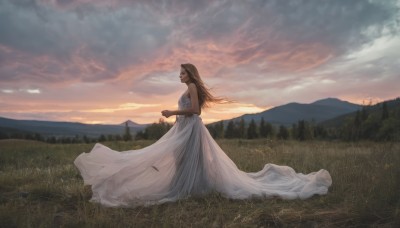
{"type": "Point", "coordinates": [186, 161]}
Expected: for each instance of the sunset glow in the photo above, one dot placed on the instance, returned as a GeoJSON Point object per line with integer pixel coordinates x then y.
{"type": "Point", "coordinates": [110, 61]}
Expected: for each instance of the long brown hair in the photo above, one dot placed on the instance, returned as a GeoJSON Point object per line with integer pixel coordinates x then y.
{"type": "Point", "coordinates": [205, 97]}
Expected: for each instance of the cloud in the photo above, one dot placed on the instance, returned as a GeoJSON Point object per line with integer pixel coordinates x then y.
{"type": "Point", "coordinates": [33, 91]}
{"type": "Point", "coordinates": [52, 45]}
{"type": "Point", "coordinates": [262, 53]}
{"type": "Point", "coordinates": [122, 107]}
{"type": "Point", "coordinates": [54, 41]}
{"type": "Point", "coordinates": [7, 91]}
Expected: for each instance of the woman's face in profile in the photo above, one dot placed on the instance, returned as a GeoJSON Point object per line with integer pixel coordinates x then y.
{"type": "Point", "coordinates": [184, 76]}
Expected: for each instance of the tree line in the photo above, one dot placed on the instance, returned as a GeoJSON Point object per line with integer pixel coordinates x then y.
{"type": "Point", "coordinates": [379, 124]}
{"type": "Point", "coordinates": [152, 132]}
{"type": "Point", "coordinates": [61, 139]}
{"type": "Point", "coordinates": [303, 130]}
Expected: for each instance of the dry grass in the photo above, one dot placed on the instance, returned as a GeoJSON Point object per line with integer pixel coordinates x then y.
{"type": "Point", "coordinates": [40, 187]}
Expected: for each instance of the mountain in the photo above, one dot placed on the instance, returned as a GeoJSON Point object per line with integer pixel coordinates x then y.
{"type": "Point", "coordinates": [51, 128]}
{"type": "Point", "coordinates": [334, 102]}
{"type": "Point", "coordinates": [291, 113]}
{"type": "Point", "coordinates": [131, 124]}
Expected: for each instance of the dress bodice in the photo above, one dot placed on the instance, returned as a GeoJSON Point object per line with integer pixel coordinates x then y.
{"type": "Point", "coordinates": [184, 102]}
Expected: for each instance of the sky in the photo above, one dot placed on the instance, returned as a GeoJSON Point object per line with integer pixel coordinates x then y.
{"type": "Point", "coordinates": [107, 61]}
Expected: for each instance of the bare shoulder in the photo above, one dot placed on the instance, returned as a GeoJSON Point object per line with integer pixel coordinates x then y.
{"type": "Point", "coordinates": [192, 86]}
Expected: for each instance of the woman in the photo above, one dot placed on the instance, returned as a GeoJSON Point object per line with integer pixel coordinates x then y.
{"type": "Point", "coordinates": [187, 161]}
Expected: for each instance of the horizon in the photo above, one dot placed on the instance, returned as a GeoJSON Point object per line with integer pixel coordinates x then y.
{"type": "Point", "coordinates": [107, 62]}
{"type": "Point", "coordinates": [171, 120]}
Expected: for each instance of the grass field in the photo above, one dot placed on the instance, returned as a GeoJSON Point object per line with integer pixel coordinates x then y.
{"type": "Point", "coordinates": [40, 187]}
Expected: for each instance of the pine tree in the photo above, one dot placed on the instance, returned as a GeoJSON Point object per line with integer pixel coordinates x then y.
{"type": "Point", "coordinates": [52, 139]}
{"type": "Point", "coordinates": [320, 132]}
{"type": "Point", "coordinates": [304, 131]}
{"type": "Point", "coordinates": [357, 119]}
{"type": "Point", "coordinates": [355, 130]}
{"type": "Point", "coordinates": [385, 111]}
{"type": "Point", "coordinates": [294, 131]}
{"type": "Point", "coordinates": [76, 139]}
{"type": "Point", "coordinates": [3, 135]}
{"type": "Point", "coordinates": [110, 137]}
{"type": "Point", "coordinates": [102, 138]}
{"type": "Point", "coordinates": [263, 129]}
{"type": "Point", "coordinates": [220, 129]}
{"type": "Point", "coordinates": [364, 114]}
{"type": "Point", "coordinates": [85, 139]}
{"type": "Point", "coordinates": [230, 130]}
{"type": "Point", "coordinates": [118, 137]}
{"type": "Point", "coordinates": [252, 130]}
{"type": "Point", "coordinates": [127, 135]}
{"type": "Point", "coordinates": [301, 130]}
{"type": "Point", "coordinates": [38, 137]}
{"type": "Point", "coordinates": [212, 131]}
{"type": "Point", "coordinates": [217, 130]}
{"type": "Point", "coordinates": [241, 128]}
{"type": "Point", "coordinates": [141, 135]}
{"type": "Point", "coordinates": [283, 132]}
{"type": "Point", "coordinates": [270, 130]}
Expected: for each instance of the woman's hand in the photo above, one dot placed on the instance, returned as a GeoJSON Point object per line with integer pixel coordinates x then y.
{"type": "Point", "coordinates": [166, 113]}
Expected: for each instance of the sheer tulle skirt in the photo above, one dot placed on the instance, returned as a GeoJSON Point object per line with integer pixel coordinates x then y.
{"type": "Point", "coordinates": [186, 161]}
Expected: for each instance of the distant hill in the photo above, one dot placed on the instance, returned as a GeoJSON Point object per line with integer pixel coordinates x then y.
{"type": "Point", "coordinates": [51, 128]}
{"type": "Point", "coordinates": [291, 113]}
{"type": "Point", "coordinates": [373, 109]}
{"type": "Point", "coordinates": [131, 124]}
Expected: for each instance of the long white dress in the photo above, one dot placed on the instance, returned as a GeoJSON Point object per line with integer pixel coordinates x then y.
{"type": "Point", "coordinates": [186, 161]}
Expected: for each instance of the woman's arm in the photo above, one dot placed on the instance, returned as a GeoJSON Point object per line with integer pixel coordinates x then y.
{"type": "Point", "coordinates": [195, 109]}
